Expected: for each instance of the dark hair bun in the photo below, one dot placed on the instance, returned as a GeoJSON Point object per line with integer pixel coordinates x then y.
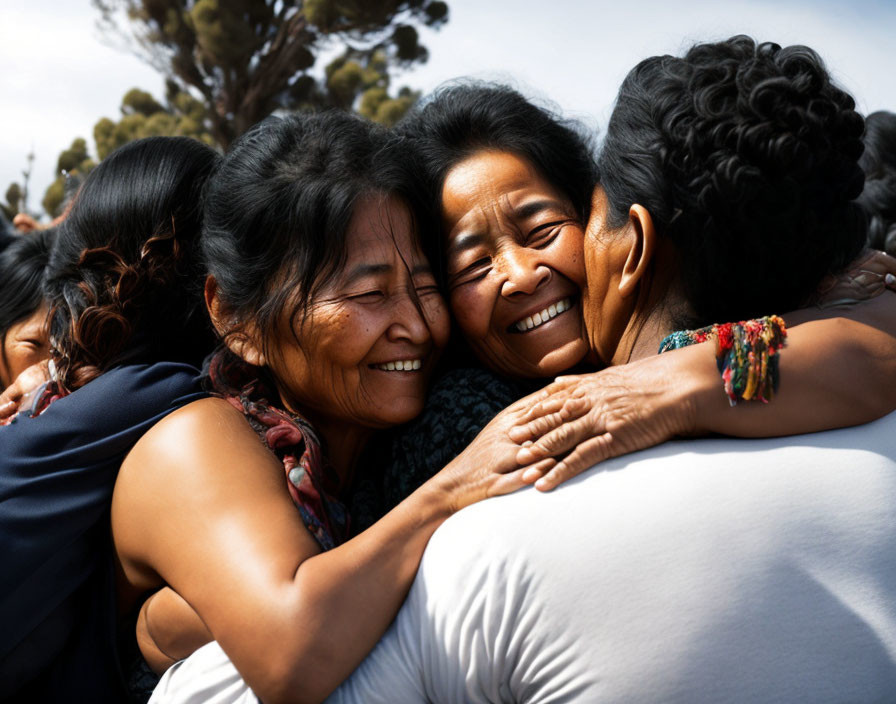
{"type": "Point", "coordinates": [125, 273]}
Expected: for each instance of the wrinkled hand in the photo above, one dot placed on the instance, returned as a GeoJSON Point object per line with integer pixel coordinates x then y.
{"type": "Point", "coordinates": [488, 466]}
{"type": "Point", "coordinates": [582, 420]}
{"type": "Point", "coordinates": [20, 393]}
{"type": "Point", "coordinates": [868, 276]}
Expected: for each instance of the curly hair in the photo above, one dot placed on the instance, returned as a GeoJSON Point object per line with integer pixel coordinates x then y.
{"type": "Point", "coordinates": [460, 119]}
{"type": "Point", "coordinates": [746, 155]}
{"type": "Point", "coordinates": [878, 199]}
{"type": "Point", "coordinates": [124, 277]}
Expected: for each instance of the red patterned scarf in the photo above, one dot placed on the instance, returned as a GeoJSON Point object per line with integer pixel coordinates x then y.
{"type": "Point", "coordinates": [312, 482]}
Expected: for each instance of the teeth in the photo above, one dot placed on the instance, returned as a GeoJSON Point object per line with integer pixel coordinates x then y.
{"type": "Point", "coordinates": [552, 311]}
{"type": "Point", "coordinates": [401, 365]}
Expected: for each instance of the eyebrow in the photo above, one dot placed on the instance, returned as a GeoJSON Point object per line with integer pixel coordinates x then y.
{"type": "Point", "coordinates": [536, 206]}
{"type": "Point", "coordinates": [364, 270]}
{"type": "Point", "coordinates": [466, 241]}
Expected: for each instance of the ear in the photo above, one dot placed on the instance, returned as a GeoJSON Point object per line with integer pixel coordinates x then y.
{"type": "Point", "coordinates": [641, 250]}
{"type": "Point", "coordinates": [244, 343]}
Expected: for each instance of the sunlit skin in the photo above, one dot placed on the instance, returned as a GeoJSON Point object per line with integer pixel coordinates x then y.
{"type": "Point", "coordinates": [514, 249]}
{"type": "Point", "coordinates": [625, 321]}
{"type": "Point", "coordinates": [25, 344]}
{"type": "Point", "coordinates": [381, 308]}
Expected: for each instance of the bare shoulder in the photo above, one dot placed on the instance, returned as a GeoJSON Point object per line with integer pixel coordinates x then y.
{"type": "Point", "coordinates": [203, 451]}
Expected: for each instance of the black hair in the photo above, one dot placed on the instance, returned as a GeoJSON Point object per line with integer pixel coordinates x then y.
{"type": "Point", "coordinates": [746, 157]}
{"type": "Point", "coordinates": [878, 198]}
{"type": "Point", "coordinates": [22, 265]}
{"type": "Point", "coordinates": [459, 120]}
{"type": "Point", "coordinates": [279, 208]}
{"type": "Point", "coordinates": [125, 275]}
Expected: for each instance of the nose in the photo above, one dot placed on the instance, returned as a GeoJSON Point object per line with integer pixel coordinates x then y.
{"type": "Point", "coordinates": [523, 273]}
{"type": "Point", "coordinates": [408, 323]}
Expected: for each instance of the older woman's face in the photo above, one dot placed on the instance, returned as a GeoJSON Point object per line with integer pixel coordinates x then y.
{"type": "Point", "coordinates": [25, 344]}
{"type": "Point", "coordinates": [366, 349]}
{"type": "Point", "coordinates": [515, 265]}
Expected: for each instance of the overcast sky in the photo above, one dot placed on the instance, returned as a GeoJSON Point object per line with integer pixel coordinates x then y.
{"type": "Point", "coordinates": [59, 78]}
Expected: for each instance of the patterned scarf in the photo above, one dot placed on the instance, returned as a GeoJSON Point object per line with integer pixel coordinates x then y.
{"type": "Point", "coordinates": [43, 396]}
{"type": "Point", "coordinates": [312, 482]}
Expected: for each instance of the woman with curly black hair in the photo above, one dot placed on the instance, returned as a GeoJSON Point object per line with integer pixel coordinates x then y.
{"type": "Point", "coordinates": [707, 570]}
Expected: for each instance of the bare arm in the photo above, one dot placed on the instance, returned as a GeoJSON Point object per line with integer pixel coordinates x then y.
{"type": "Point", "coordinates": [200, 505]}
{"type": "Point", "coordinates": [838, 369]}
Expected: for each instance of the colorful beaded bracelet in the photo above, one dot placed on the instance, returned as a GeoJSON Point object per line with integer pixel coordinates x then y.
{"type": "Point", "coordinates": [746, 354]}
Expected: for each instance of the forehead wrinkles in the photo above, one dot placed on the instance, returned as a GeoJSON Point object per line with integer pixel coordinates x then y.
{"type": "Point", "coordinates": [491, 218]}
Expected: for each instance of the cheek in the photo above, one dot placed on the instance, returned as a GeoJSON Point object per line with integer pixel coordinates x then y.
{"type": "Point", "coordinates": [472, 306]}
{"type": "Point", "coordinates": [570, 259]}
{"type": "Point", "coordinates": [438, 320]}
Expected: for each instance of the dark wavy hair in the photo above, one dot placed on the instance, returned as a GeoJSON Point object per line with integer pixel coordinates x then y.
{"type": "Point", "coordinates": [878, 198]}
{"type": "Point", "coordinates": [279, 208]}
{"type": "Point", "coordinates": [458, 120]}
{"type": "Point", "coordinates": [746, 155]}
{"type": "Point", "coordinates": [22, 265]}
{"type": "Point", "coordinates": [125, 277]}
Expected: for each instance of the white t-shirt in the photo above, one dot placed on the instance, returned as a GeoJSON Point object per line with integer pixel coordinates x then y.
{"type": "Point", "coordinates": [699, 571]}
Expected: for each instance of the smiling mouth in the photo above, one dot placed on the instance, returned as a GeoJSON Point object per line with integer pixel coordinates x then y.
{"type": "Point", "coordinates": [399, 365]}
{"type": "Point", "coordinates": [533, 321]}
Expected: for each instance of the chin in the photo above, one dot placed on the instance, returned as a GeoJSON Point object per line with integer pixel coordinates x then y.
{"type": "Point", "coordinates": [559, 361]}
{"type": "Point", "coordinates": [399, 412]}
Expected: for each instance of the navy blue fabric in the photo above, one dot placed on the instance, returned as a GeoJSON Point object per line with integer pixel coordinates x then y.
{"type": "Point", "coordinates": [57, 472]}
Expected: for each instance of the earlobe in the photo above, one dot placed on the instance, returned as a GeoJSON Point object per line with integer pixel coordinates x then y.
{"type": "Point", "coordinates": [243, 343]}
{"type": "Point", "coordinates": [641, 250]}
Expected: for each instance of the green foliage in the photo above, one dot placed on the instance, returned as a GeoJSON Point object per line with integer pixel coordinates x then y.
{"type": "Point", "coordinates": [13, 203]}
{"type": "Point", "coordinates": [248, 58]}
{"type": "Point", "coordinates": [141, 116]}
{"type": "Point", "coordinates": [73, 161]}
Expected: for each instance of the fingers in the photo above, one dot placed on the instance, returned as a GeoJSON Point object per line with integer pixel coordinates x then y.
{"type": "Point", "coordinates": [556, 414]}
{"type": "Point", "coordinates": [507, 483]}
{"type": "Point", "coordinates": [536, 471]}
{"type": "Point", "coordinates": [7, 409]}
{"type": "Point", "coordinates": [559, 440]}
{"type": "Point", "coordinates": [890, 281]}
{"type": "Point", "coordinates": [538, 420]}
{"type": "Point", "coordinates": [544, 407]}
{"type": "Point", "coordinates": [585, 456]}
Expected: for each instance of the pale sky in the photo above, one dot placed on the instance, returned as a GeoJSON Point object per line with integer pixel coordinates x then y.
{"type": "Point", "coordinates": [58, 78]}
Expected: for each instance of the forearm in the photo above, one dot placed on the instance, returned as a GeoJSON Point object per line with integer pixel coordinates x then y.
{"type": "Point", "coordinates": [168, 630]}
{"type": "Point", "coordinates": [834, 372]}
{"type": "Point", "coordinates": [339, 605]}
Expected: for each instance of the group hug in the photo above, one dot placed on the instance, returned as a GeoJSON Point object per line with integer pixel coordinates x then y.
{"type": "Point", "coordinates": [465, 409]}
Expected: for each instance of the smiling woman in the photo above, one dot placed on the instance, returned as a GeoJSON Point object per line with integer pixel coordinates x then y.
{"type": "Point", "coordinates": [331, 324]}
{"type": "Point", "coordinates": [515, 266]}
{"type": "Point", "coordinates": [367, 345]}
{"type": "Point", "coordinates": [513, 187]}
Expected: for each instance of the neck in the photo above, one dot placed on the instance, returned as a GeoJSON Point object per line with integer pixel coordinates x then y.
{"type": "Point", "coordinates": [658, 304]}
{"type": "Point", "coordinates": [344, 443]}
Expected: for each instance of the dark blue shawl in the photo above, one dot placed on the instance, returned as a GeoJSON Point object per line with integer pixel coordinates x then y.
{"type": "Point", "coordinates": [57, 472]}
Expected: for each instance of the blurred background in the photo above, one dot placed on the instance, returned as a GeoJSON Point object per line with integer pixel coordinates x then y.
{"type": "Point", "coordinates": [81, 77]}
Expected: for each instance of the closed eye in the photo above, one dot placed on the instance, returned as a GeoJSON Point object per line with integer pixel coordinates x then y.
{"type": "Point", "coordinates": [368, 296]}
{"type": "Point", "coordinates": [543, 235]}
{"type": "Point", "coordinates": [473, 272]}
